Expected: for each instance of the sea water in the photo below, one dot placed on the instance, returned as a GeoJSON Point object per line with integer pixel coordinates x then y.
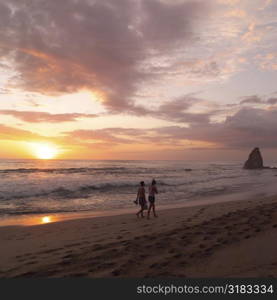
{"type": "Point", "coordinates": [58, 186]}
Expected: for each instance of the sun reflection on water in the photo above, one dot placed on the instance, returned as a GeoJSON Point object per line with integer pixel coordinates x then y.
{"type": "Point", "coordinates": [46, 219]}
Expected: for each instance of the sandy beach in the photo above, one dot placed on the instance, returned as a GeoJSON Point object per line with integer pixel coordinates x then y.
{"type": "Point", "coordinates": [230, 239]}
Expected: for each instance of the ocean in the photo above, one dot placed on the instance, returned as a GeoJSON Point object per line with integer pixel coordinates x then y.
{"type": "Point", "coordinates": [29, 187]}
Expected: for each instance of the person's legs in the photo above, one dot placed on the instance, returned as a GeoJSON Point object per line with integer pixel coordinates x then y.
{"type": "Point", "coordinates": [154, 211]}
{"type": "Point", "coordinates": [149, 210]}
{"type": "Point", "coordinates": [139, 212]}
{"type": "Point", "coordinates": [142, 211]}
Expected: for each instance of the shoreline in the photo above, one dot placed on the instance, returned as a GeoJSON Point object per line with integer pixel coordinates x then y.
{"type": "Point", "coordinates": [231, 238]}
{"type": "Point", "coordinates": [37, 219]}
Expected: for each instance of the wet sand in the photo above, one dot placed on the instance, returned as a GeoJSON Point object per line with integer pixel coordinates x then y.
{"type": "Point", "coordinates": [230, 239]}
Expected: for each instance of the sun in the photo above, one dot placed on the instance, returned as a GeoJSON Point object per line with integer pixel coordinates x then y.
{"type": "Point", "coordinates": [45, 151]}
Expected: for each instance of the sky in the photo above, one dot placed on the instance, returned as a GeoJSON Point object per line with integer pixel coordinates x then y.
{"type": "Point", "coordinates": [138, 79]}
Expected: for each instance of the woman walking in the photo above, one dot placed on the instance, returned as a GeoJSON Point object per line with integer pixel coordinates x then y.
{"type": "Point", "coordinates": [151, 198]}
{"type": "Point", "coordinates": [141, 200]}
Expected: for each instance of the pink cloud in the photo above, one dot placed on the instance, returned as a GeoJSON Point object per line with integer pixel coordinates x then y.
{"type": "Point", "coordinates": [15, 134]}
{"type": "Point", "coordinates": [38, 117]}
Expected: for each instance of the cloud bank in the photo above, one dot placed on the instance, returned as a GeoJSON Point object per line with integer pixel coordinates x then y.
{"type": "Point", "coordinates": [247, 128]}
{"type": "Point", "coordinates": [67, 45]}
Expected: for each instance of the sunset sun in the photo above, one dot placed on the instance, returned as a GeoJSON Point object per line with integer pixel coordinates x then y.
{"type": "Point", "coordinates": [45, 151]}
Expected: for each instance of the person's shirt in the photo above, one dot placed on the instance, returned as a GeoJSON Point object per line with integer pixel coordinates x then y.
{"type": "Point", "coordinates": [152, 190]}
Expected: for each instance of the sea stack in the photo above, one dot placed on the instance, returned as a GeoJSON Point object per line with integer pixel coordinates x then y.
{"type": "Point", "coordinates": [255, 160]}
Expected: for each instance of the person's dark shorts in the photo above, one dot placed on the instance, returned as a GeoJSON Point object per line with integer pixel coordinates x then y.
{"type": "Point", "coordinates": [142, 201]}
{"type": "Point", "coordinates": [151, 199]}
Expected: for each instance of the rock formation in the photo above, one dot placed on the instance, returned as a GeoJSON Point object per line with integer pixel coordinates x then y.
{"type": "Point", "coordinates": [255, 160]}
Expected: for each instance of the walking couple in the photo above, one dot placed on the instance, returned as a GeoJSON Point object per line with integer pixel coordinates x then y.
{"type": "Point", "coordinates": [141, 199]}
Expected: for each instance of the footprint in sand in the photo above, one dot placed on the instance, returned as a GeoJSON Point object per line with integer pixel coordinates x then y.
{"type": "Point", "coordinates": [66, 262]}
{"type": "Point", "coordinates": [67, 256]}
{"type": "Point", "coordinates": [27, 274]}
{"type": "Point", "coordinates": [172, 250]}
{"type": "Point", "coordinates": [116, 272]}
{"type": "Point", "coordinates": [51, 251]}
{"type": "Point", "coordinates": [81, 274]}
{"type": "Point", "coordinates": [31, 262]}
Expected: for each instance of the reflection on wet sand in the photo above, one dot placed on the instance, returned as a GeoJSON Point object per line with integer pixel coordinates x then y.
{"type": "Point", "coordinates": [46, 219]}
{"type": "Point", "coordinates": [28, 220]}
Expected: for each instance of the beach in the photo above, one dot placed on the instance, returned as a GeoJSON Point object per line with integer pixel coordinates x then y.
{"type": "Point", "coordinates": [228, 239]}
